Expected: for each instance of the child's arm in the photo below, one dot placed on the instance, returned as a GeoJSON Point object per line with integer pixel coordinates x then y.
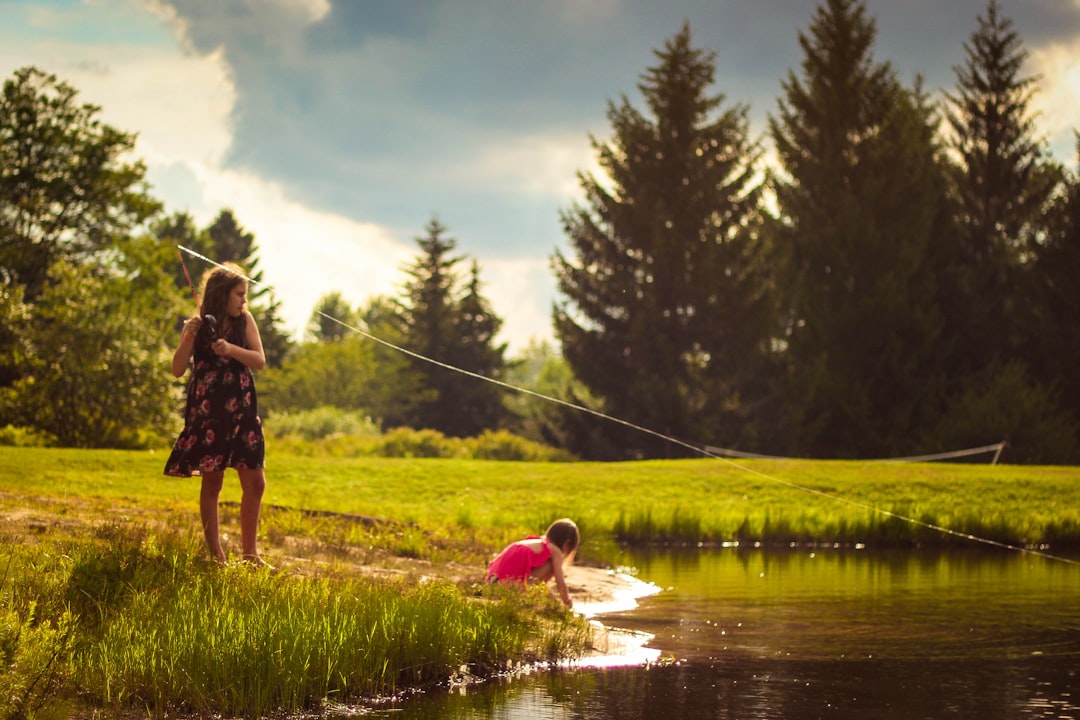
{"type": "Point", "coordinates": [252, 355]}
{"type": "Point", "coordinates": [187, 344]}
{"type": "Point", "coordinates": [560, 579]}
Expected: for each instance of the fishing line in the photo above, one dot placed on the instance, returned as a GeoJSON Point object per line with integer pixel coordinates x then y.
{"type": "Point", "coordinates": [676, 441]}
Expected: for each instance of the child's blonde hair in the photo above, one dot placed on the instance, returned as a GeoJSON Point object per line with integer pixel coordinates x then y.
{"type": "Point", "coordinates": [562, 532]}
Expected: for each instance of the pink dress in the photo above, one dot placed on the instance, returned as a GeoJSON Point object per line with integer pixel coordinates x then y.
{"type": "Point", "coordinates": [517, 561]}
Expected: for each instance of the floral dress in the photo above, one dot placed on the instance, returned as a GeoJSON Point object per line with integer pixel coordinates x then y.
{"type": "Point", "coordinates": [222, 428]}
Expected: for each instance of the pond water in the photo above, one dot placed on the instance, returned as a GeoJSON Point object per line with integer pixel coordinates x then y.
{"type": "Point", "coordinates": [834, 633]}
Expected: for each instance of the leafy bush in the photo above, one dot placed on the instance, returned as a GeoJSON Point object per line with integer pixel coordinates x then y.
{"type": "Point", "coordinates": [322, 422]}
{"type": "Point", "coordinates": [335, 432]}
{"type": "Point", "coordinates": [503, 445]}
{"type": "Point", "coordinates": [409, 443]}
{"type": "Point", "coordinates": [13, 436]}
{"type": "Point", "coordinates": [1006, 404]}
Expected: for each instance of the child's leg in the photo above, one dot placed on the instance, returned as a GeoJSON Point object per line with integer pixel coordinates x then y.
{"type": "Point", "coordinates": [253, 484]}
{"type": "Point", "coordinates": [208, 510]}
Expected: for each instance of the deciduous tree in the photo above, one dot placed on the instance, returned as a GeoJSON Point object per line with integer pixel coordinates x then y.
{"type": "Point", "coordinates": [68, 188]}
{"type": "Point", "coordinates": [331, 318]}
{"type": "Point", "coordinates": [93, 369]}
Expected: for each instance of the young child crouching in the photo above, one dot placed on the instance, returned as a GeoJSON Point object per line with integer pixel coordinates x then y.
{"type": "Point", "coordinates": [538, 559]}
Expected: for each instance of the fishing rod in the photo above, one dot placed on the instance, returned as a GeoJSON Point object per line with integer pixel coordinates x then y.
{"type": "Point", "coordinates": [209, 319]}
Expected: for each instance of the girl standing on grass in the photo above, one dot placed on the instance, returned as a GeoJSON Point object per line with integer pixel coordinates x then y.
{"type": "Point", "coordinates": [222, 428]}
{"type": "Point", "coordinates": [539, 559]}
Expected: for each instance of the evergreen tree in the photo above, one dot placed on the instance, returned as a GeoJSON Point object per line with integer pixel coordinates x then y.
{"type": "Point", "coordinates": [666, 314]}
{"type": "Point", "coordinates": [436, 323]}
{"type": "Point", "coordinates": [482, 405]}
{"type": "Point", "coordinates": [861, 224]}
{"type": "Point", "coordinates": [1002, 184]}
{"type": "Point", "coordinates": [330, 318]}
{"type": "Point", "coordinates": [1051, 340]}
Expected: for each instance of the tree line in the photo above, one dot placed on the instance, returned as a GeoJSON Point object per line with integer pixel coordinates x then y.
{"type": "Point", "coordinates": [899, 279]}
{"type": "Point", "coordinates": [898, 283]}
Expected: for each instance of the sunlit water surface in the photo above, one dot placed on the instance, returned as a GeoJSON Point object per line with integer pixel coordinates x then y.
{"type": "Point", "coordinates": [816, 634]}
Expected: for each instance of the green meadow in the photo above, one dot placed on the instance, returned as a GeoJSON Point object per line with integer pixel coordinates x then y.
{"type": "Point", "coordinates": [111, 605]}
{"type": "Point", "coordinates": [443, 506]}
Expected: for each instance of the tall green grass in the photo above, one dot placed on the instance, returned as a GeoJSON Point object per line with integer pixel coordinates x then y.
{"type": "Point", "coordinates": [130, 619]}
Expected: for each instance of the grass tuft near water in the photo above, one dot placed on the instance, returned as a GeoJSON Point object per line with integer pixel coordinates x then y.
{"type": "Point", "coordinates": [129, 619]}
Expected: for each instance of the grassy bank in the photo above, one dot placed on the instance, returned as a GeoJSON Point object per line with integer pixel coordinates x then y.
{"type": "Point", "coordinates": [463, 509]}
{"type": "Point", "coordinates": [110, 602]}
{"type": "Point", "coordinates": [117, 619]}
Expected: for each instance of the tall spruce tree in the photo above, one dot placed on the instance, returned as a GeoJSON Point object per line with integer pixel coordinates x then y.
{"type": "Point", "coordinates": [1002, 183]}
{"type": "Point", "coordinates": [860, 193]}
{"type": "Point", "coordinates": [443, 323]}
{"type": "Point", "coordinates": [666, 314]}
{"type": "Point", "coordinates": [1051, 339]}
{"type": "Point", "coordinates": [482, 405]}
{"type": "Point", "coordinates": [331, 318]}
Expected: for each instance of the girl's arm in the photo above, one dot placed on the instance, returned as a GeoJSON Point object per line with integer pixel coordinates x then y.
{"type": "Point", "coordinates": [560, 579]}
{"type": "Point", "coordinates": [252, 355]}
{"type": "Point", "coordinates": [182, 356]}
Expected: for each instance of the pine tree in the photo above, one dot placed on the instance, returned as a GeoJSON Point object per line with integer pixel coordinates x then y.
{"type": "Point", "coordinates": [1002, 184]}
{"type": "Point", "coordinates": [861, 222]}
{"type": "Point", "coordinates": [330, 319]}
{"type": "Point", "coordinates": [482, 405]}
{"type": "Point", "coordinates": [1051, 341]}
{"type": "Point", "coordinates": [665, 313]}
{"type": "Point", "coordinates": [457, 331]}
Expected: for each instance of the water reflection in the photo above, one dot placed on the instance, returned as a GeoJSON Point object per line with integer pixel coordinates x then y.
{"type": "Point", "coordinates": [838, 634]}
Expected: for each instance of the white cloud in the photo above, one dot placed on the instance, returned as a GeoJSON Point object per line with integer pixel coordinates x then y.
{"type": "Point", "coordinates": [306, 254]}
{"type": "Point", "coordinates": [521, 292]}
{"type": "Point", "coordinates": [536, 164]}
{"type": "Point", "coordinates": [1058, 98]}
{"type": "Point", "coordinates": [178, 103]}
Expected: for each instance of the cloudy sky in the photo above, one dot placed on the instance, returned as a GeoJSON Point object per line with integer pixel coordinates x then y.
{"type": "Point", "coordinates": [336, 129]}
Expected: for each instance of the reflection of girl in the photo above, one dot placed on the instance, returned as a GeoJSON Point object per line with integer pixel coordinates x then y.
{"type": "Point", "coordinates": [539, 559]}
{"type": "Point", "coordinates": [222, 428]}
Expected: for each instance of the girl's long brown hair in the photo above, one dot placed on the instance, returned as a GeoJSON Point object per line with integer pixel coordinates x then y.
{"type": "Point", "coordinates": [216, 286]}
